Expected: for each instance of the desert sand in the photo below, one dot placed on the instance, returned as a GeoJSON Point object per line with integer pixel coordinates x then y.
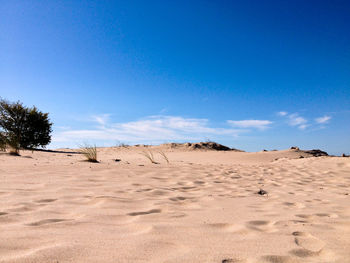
{"type": "Point", "coordinates": [203, 206]}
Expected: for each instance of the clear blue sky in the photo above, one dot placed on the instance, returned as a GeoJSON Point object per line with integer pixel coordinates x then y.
{"type": "Point", "coordinates": [249, 74]}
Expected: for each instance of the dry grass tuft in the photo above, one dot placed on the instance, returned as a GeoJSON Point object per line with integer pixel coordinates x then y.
{"type": "Point", "coordinates": [90, 153]}
{"type": "Point", "coordinates": [149, 155]}
{"type": "Point", "coordinates": [2, 147]}
{"type": "Point", "coordinates": [12, 144]}
{"type": "Point", "coordinates": [164, 156]}
{"type": "Point", "coordinates": [3, 144]}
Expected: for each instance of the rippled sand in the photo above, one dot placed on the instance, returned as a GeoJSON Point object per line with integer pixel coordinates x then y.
{"type": "Point", "coordinates": [201, 207]}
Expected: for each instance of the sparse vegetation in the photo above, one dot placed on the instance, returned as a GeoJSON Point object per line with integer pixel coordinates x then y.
{"type": "Point", "coordinates": [122, 144]}
{"type": "Point", "coordinates": [2, 143]}
{"type": "Point", "coordinates": [164, 156]}
{"type": "Point", "coordinates": [14, 146]}
{"type": "Point", "coordinates": [149, 155]}
{"type": "Point", "coordinates": [90, 153]}
{"type": "Point", "coordinates": [9, 142]}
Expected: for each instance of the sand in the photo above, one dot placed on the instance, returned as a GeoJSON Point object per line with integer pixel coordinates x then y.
{"type": "Point", "coordinates": [201, 207]}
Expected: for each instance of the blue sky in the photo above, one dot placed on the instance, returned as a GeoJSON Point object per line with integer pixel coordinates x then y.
{"type": "Point", "coordinates": [249, 74]}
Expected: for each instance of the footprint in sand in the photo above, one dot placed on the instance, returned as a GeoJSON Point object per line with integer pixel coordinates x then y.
{"type": "Point", "coordinates": [23, 208]}
{"type": "Point", "coordinates": [278, 259]}
{"type": "Point", "coordinates": [227, 227]}
{"type": "Point", "coordinates": [218, 182]}
{"type": "Point", "coordinates": [262, 226]}
{"type": "Point", "coordinates": [185, 188]}
{"type": "Point", "coordinates": [231, 260]}
{"type": "Point", "coordinates": [294, 205]}
{"type": "Point", "coordinates": [49, 200]}
{"type": "Point", "coordinates": [332, 215]}
{"type": "Point", "coordinates": [288, 223]}
{"type": "Point", "coordinates": [152, 211]}
{"type": "Point", "coordinates": [199, 182]}
{"type": "Point", "coordinates": [47, 221]}
{"type": "Point", "coordinates": [306, 217]}
{"type": "Point", "coordinates": [308, 242]}
{"type": "Point", "coordinates": [310, 247]}
{"type": "Point", "coordinates": [178, 198]}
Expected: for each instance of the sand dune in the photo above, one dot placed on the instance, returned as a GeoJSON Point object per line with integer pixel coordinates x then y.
{"type": "Point", "coordinates": [201, 207]}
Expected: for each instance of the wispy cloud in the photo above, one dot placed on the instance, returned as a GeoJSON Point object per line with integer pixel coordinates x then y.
{"type": "Point", "coordinates": [296, 120]}
{"type": "Point", "coordinates": [153, 129]}
{"type": "Point", "coordinates": [300, 122]}
{"type": "Point", "coordinates": [101, 119]}
{"type": "Point", "coordinates": [323, 120]}
{"type": "Point", "coordinates": [282, 113]}
{"type": "Point", "coordinates": [303, 126]}
{"type": "Point", "coordinates": [161, 128]}
{"type": "Point", "coordinates": [257, 124]}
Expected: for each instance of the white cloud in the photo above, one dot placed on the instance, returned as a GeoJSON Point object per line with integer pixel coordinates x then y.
{"type": "Point", "coordinates": [153, 129]}
{"type": "Point", "coordinates": [324, 119]}
{"type": "Point", "coordinates": [302, 126]}
{"type": "Point", "coordinates": [258, 124]}
{"type": "Point", "coordinates": [101, 119]}
{"type": "Point", "coordinates": [282, 113]}
{"type": "Point", "coordinates": [296, 120]}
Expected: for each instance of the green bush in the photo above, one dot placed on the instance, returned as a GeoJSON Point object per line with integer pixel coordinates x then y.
{"type": "Point", "coordinates": [23, 127]}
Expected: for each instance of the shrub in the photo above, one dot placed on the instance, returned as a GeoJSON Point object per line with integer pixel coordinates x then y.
{"type": "Point", "coordinates": [24, 127]}
{"type": "Point", "coordinates": [90, 153]}
{"type": "Point", "coordinates": [38, 129]}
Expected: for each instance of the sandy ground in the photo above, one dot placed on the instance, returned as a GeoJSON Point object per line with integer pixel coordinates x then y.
{"type": "Point", "coordinates": [201, 207]}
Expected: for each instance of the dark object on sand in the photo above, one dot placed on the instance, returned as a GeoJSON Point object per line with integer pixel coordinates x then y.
{"type": "Point", "coordinates": [14, 153]}
{"type": "Point", "coordinates": [262, 192]}
{"type": "Point", "coordinates": [316, 153]}
{"type": "Point", "coordinates": [294, 148]}
{"type": "Point", "coordinates": [344, 155]}
{"type": "Point", "coordinates": [301, 157]}
{"type": "Point", "coordinates": [117, 160]}
{"type": "Point", "coordinates": [211, 146]}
